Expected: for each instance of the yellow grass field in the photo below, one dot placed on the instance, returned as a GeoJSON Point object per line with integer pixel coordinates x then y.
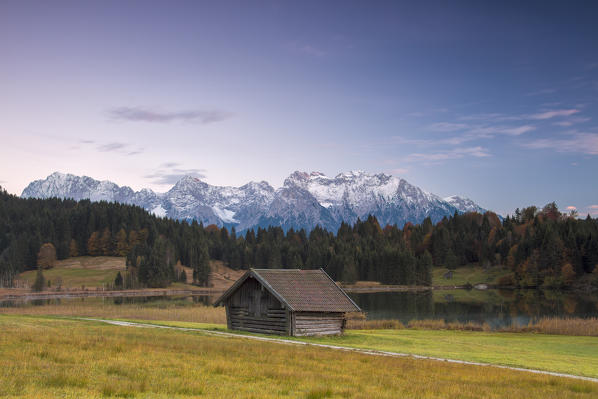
{"type": "Point", "coordinates": [50, 358]}
{"type": "Point", "coordinates": [81, 271]}
{"type": "Point", "coordinates": [560, 353]}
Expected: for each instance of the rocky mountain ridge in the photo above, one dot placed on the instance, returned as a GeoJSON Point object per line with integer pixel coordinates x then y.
{"type": "Point", "coordinates": [304, 201]}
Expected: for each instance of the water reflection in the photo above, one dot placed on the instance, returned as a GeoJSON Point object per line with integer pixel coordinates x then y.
{"type": "Point", "coordinates": [495, 307]}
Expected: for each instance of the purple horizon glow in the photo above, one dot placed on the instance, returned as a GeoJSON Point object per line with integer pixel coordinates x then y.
{"type": "Point", "coordinates": [495, 102]}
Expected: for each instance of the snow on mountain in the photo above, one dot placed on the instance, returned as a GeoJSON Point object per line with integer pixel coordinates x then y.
{"type": "Point", "coordinates": [464, 204]}
{"type": "Point", "coordinates": [304, 201]}
{"type": "Point", "coordinates": [159, 211]}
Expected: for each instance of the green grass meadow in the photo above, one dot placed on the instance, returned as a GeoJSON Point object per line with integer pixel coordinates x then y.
{"type": "Point", "coordinates": [44, 357]}
{"type": "Point", "coordinates": [470, 274]}
{"type": "Point", "coordinates": [558, 353]}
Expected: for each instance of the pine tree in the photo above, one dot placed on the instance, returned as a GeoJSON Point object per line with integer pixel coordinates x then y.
{"type": "Point", "coordinates": [451, 260]}
{"type": "Point", "coordinates": [118, 281]}
{"type": "Point", "coordinates": [40, 282]}
{"type": "Point", "coordinates": [93, 244]}
{"type": "Point", "coordinates": [122, 246]}
{"type": "Point", "coordinates": [157, 271]}
{"type": "Point", "coordinates": [424, 269]}
{"type": "Point", "coordinates": [106, 243]}
{"type": "Point", "coordinates": [201, 272]}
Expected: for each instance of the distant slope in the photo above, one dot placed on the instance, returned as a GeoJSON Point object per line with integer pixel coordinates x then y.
{"type": "Point", "coordinates": [80, 271]}
{"type": "Point", "coordinates": [304, 201]}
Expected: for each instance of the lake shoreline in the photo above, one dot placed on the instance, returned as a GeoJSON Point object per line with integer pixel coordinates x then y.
{"type": "Point", "coordinates": [18, 293]}
{"type": "Point", "coordinates": [5, 295]}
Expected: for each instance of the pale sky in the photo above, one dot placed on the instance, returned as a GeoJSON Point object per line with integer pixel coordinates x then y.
{"type": "Point", "coordinates": [495, 101]}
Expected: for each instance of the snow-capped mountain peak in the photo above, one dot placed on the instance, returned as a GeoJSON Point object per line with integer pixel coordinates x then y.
{"type": "Point", "coordinates": [304, 201]}
{"type": "Point", "coordinates": [464, 204]}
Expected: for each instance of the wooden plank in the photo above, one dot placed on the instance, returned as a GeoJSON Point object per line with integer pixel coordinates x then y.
{"type": "Point", "coordinates": [319, 327]}
{"type": "Point", "coordinates": [267, 319]}
{"type": "Point", "coordinates": [310, 334]}
{"type": "Point", "coordinates": [303, 322]}
{"type": "Point", "coordinates": [259, 327]}
{"type": "Point", "coordinates": [318, 331]}
{"type": "Point", "coordinates": [261, 331]}
{"type": "Point", "coordinates": [261, 323]}
{"type": "Point", "coordinates": [301, 317]}
{"type": "Point", "coordinates": [259, 320]}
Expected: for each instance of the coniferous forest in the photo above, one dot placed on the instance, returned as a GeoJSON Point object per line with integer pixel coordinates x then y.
{"type": "Point", "coordinates": [541, 247]}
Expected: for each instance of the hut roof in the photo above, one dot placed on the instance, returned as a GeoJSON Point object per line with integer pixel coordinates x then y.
{"type": "Point", "coordinates": [299, 290]}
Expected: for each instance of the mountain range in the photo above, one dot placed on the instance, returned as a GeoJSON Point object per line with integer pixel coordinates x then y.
{"type": "Point", "coordinates": [304, 201]}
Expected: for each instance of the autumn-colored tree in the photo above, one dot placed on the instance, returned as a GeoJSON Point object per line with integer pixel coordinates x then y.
{"type": "Point", "coordinates": [528, 213]}
{"type": "Point", "coordinates": [73, 249]}
{"type": "Point", "coordinates": [122, 247]}
{"type": "Point", "coordinates": [511, 257]}
{"type": "Point", "coordinates": [551, 211]}
{"type": "Point", "coordinates": [106, 243]}
{"type": "Point", "coordinates": [133, 238]}
{"type": "Point", "coordinates": [46, 256]}
{"type": "Point", "coordinates": [93, 244]}
{"type": "Point", "coordinates": [568, 274]}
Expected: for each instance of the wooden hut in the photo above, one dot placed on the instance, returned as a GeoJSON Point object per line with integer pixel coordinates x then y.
{"type": "Point", "coordinates": [286, 302]}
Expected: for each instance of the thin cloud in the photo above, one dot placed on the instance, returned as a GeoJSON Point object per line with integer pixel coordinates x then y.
{"type": "Point", "coordinates": [399, 171]}
{"type": "Point", "coordinates": [171, 176]}
{"type": "Point", "coordinates": [110, 147]}
{"type": "Point", "coordinates": [306, 49]}
{"type": "Point", "coordinates": [540, 92]}
{"type": "Point", "coordinates": [455, 153]}
{"type": "Point", "coordinates": [115, 147]}
{"type": "Point", "coordinates": [571, 208]}
{"type": "Point", "coordinates": [469, 132]}
{"type": "Point", "coordinates": [447, 126]}
{"type": "Point", "coordinates": [593, 210]}
{"type": "Point", "coordinates": [169, 164]}
{"type": "Point", "coordinates": [497, 117]}
{"type": "Point", "coordinates": [584, 143]}
{"type": "Point", "coordinates": [311, 50]}
{"type": "Point", "coordinates": [491, 131]}
{"type": "Point", "coordinates": [554, 113]}
{"type": "Point", "coordinates": [571, 122]}
{"type": "Point", "coordinates": [139, 114]}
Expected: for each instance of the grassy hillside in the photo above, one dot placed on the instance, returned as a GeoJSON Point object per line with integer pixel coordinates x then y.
{"type": "Point", "coordinates": [81, 271]}
{"type": "Point", "coordinates": [98, 271]}
{"type": "Point", "coordinates": [472, 274]}
{"type": "Point", "coordinates": [92, 360]}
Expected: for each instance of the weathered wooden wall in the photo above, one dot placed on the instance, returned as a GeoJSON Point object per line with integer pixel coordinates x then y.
{"type": "Point", "coordinates": [317, 323]}
{"type": "Point", "coordinates": [252, 308]}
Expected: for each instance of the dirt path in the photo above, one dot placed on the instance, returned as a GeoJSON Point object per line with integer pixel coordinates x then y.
{"type": "Point", "coordinates": [342, 348]}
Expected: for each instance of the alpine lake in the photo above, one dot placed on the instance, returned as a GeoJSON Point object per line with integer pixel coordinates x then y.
{"type": "Point", "coordinates": [497, 308]}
